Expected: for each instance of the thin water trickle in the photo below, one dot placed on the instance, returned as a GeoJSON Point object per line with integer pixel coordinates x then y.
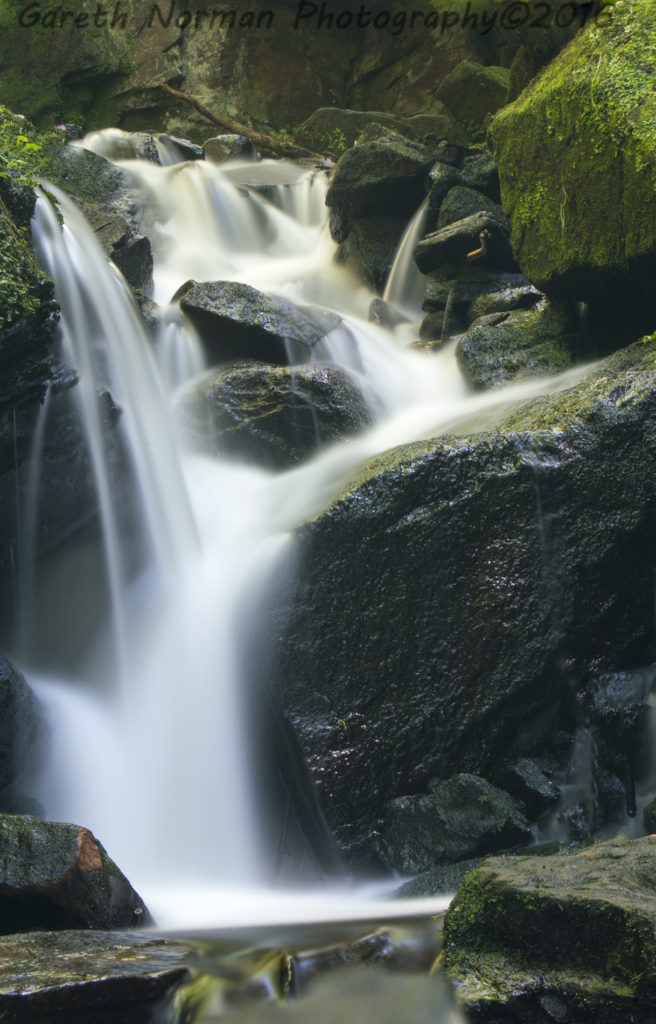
{"type": "Point", "coordinates": [151, 749]}
{"type": "Point", "coordinates": [405, 284]}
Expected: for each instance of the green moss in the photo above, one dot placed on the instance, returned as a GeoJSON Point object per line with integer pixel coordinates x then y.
{"type": "Point", "coordinates": [19, 274]}
{"type": "Point", "coordinates": [576, 153]}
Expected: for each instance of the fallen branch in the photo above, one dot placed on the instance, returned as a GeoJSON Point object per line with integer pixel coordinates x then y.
{"type": "Point", "coordinates": [262, 141]}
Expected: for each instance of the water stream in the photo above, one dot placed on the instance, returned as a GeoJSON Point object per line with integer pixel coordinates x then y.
{"type": "Point", "coordinates": [150, 723]}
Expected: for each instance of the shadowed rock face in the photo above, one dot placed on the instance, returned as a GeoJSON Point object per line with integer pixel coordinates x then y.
{"type": "Point", "coordinates": [54, 875]}
{"type": "Point", "coordinates": [571, 936]}
{"type": "Point", "coordinates": [461, 586]}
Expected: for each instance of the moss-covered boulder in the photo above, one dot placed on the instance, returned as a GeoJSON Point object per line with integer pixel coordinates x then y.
{"type": "Point", "coordinates": [82, 976]}
{"type": "Point", "coordinates": [506, 346]}
{"type": "Point", "coordinates": [236, 321]}
{"type": "Point", "coordinates": [490, 574]}
{"type": "Point", "coordinates": [275, 416]}
{"type": "Point", "coordinates": [560, 938]}
{"type": "Point", "coordinates": [458, 819]}
{"type": "Point", "coordinates": [472, 91]}
{"type": "Point", "coordinates": [385, 176]}
{"type": "Point", "coordinates": [54, 875]}
{"type": "Point", "coordinates": [577, 156]}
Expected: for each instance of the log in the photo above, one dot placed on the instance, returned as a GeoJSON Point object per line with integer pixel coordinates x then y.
{"type": "Point", "coordinates": [263, 141]}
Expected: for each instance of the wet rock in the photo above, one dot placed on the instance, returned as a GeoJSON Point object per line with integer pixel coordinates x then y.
{"type": "Point", "coordinates": [461, 202]}
{"type": "Point", "coordinates": [178, 150]}
{"type": "Point", "coordinates": [84, 175]}
{"type": "Point", "coordinates": [442, 178]}
{"type": "Point", "coordinates": [54, 875]}
{"type": "Point", "coordinates": [467, 284]}
{"type": "Point", "coordinates": [526, 781]}
{"type": "Point", "coordinates": [460, 818]}
{"type": "Point", "coordinates": [370, 248]}
{"type": "Point", "coordinates": [491, 573]}
{"type": "Point", "coordinates": [568, 938]}
{"type": "Point", "coordinates": [236, 321]}
{"type": "Point", "coordinates": [583, 129]}
{"type": "Point", "coordinates": [385, 315]}
{"type": "Point", "coordinates": [440, 880]}
{"type": "Point", "coordinates": [619, 715]}
{"type": "Point", "coordinates": [440, 326]}
{"type": "Point", "coordinates": [275, 416]}
{"type": "Point", "coordinates": [384, 177]}
{"type": "Point", "coordinates": [229, 147]}
{"type": "Point", "coordinates": [20, 726]}
{"type": "Point", "coordinates": [452, 244]}
{"type": "Point", "coordinates": [127, 248]}
{"type": "Point", "coordinates": [503, 347]}
{"type": "Point", "coordinates": [82, 976]}
{"type": "Point", "coordinates": [472, 91]}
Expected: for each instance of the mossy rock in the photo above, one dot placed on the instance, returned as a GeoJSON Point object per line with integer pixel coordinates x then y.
{"type": "Point", "coordinates": [333, 130]}
{"type": "Point", "coordinates": [274, 416]}
{"type": "Point", "coordinates": [461, 202]}
{"type": "Point", "coordinates": [577, 155]}
{"type": "Point", "coordinates": [55, 875]}
{"type": "Point", "coordinates": [574, 932]}
{"type": "Point", "coordinates": [455, 655]}
{"type": "Point", "coordinates": [471, 91]}
{"type": "Point", "coordinates": [505, 346]}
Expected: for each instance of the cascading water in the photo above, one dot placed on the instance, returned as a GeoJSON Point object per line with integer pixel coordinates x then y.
{"type": "Point", "coordinates": [149, 745]}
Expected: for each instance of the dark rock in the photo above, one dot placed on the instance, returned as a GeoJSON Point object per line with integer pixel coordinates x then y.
{"type": "Point", "coordinates": [649, 817]}
{"type": "Point", "coordinates": [451, 153]}
{"type": "Point", "coordinates": [332, 130]}
{"type": "Point", "coordinates": [480, 172]}
{"type": "Point", "coordinates": [128, 249]}
{"type": "Point", "coordinates": [384, 177]}
{"type": "Point", "coordinates": [453, 243]}
{"type": "Point", "coordinates": [443, 879]}
{"type": "Point", "coordinates": [502, 301]}
{"type": "Point", "coordinates": [229, 147]}
{"type": "Point", "coordinates": [460, 818]}
{"type": "Point", "coordinates": [456, 655]}
{"type": "Point", "coordinates": [236, 321]}
{"type": "Point", "coordinates": [620, 714]}
{"type": "Point", "coordinates": [461, 202]}
{"type": "Point", "coordinates": [84, 175]}
{"type": "Point", "coordinates": [441, 179]}
{"type": "Point", "coordinates": [528, 783]}
{"type": "Point", "coordinates": [275, 416]}
{"type": "Point", "coordinates": [54, 875]}
{"type": "Point", "coordinates": [576, 154]}
{"type": "Point", "coordinates": [574, 934]}
{"type": "Point", "coordinates": [472, 91]}
{"type": "Point", "coordinates": [468, 284]}
{"type": "Point", "coordinates": [385, 315]}
{"type": "Point", "coordinates": [82, 976]}
{"type": "Point", "coordinates": [20, 725]}
{"type": "Point", "coordinates": [369, 249]}
{"type": "Point", "coordinates": [440, 326]}
{"type": "Point", "coordinates": [503, 347]}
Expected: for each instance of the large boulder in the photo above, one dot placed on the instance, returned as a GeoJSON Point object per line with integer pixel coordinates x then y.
{"type": "Point", "coordinates": [577, 156]}
{"type": "Point", "coordinates": [472, 91]}
{"type": "Point", "coordinates": [274, 415]}
{"type": "Point", "coordinates": [54, 875]}
{"type": "Point", "coordinates": [455, 243]}
{"type": "Point", "coordinates": [489, 574]}
{"type": "Point", "coordinates": [551, 939]}
{"type": "Point", "coordinates": [236, 321]}
{"type": "Point", "coordinates": [370, 248]}
{"type": "Point", "coordinates": [385, 176]}
{"type": "Point", "coordinates": [505, 346]}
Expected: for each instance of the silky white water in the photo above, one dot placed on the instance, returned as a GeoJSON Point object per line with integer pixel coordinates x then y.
{"type": "Point", "coordinates": [150, 730]}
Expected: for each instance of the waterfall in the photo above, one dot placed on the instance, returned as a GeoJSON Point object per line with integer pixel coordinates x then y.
{"type": "Point", "coordinates": [150, 744]}
{"type": "Point", "coordinates": [405, 284]}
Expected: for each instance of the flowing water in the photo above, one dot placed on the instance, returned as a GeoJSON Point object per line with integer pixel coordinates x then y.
{"type": "Point", "coordinates": [150, 722]}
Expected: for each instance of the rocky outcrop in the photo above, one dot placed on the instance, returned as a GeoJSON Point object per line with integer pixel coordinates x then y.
{"type": "Point", "coordinates": [458, 819]}
{"type": "Point", "coordinates": [557, 938]}
{"type": "Point", "coordinates": [274, 416]}
{"type": "Point", "coordinates": [490, 574]}
{"type": "Point", "coordinates": [236, 321]}
{"type": "Point", "coordinates": [576, 162]}
{"type": "Point", "coordinates": [55, 876]}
